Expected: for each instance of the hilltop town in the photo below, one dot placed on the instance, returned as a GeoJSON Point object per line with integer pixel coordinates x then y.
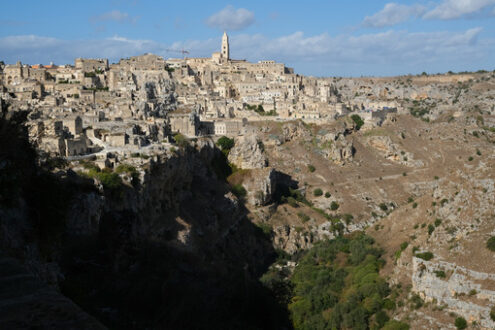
{"type": "Point", "coordinates": [93, 107]}
{"type": "Point", "coordinates": [218, 166]}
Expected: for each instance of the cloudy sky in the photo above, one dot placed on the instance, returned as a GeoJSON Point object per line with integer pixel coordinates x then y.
{"type": "Point", "coordinates": [321, 38]}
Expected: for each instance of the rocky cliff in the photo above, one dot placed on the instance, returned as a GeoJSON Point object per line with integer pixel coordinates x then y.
{"type": "Point", "coordinates": [146, 253]}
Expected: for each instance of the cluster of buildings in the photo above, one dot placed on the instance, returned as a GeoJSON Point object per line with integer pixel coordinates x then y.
{"type": "Point", "coordinates": [94, 106]}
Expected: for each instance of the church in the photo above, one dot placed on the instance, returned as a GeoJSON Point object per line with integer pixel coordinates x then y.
{"type": "Point", "coordinates": [224, 55]}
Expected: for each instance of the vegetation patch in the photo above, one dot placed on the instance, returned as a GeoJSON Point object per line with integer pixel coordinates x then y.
{"type": "Point", "coordinates": [337, 285]}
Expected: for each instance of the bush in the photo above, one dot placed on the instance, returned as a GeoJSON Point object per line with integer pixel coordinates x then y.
{"type": "Point", "coordinates": [334, 206]}
{"type": "Point", "coordinates": [225, 143]}
{"type": "Point", "coordinates": [181, 140]}
{"type": "Point", "coordinates": [357, 120]}
{"type": "Point", "coordinates": [327, 195]}
{"type": "Point", "coordinates": [440, 274]}
{"type": "Point", "coordinates": [490, 243]}
{"type": "Point", "coordinates": [415, 205]}
{"type": "Point", "coordinates": [383, 207]}
{"type": "Point", "coordinates": [492, 313]}
{"type": "Point", "coordinates": [425, 255]}
{"type": "Point", "coordinates": [311, 168]}
{"type": "Point", "coordinates": [292, 201]}
{"type": "Point", "coordinates": [317, 192]}
{"type": "Point", "coordinates": [438, 222]}
{"type": "Point", "coordinates": [395, 325]}
{"type": "Point", "coordinates": [460, 323]}
{"type": "Point", "coordinates": [431, 229]}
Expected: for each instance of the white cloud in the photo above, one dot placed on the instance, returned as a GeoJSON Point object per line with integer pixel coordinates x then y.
{"type": "Point", "coordinates": [231, 19]}
{"type": "Point", "coordinates": [393, 14]}
{"type": "Point", "coordinates": [114, 16]}
{"type": "Point", "coordinates": [452, 9]}
{"type": "Point", "coordinates": [384, 53]}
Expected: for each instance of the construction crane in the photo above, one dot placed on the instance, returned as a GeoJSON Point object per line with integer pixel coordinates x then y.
{"type": "Point", "coordinates": [182, 51]}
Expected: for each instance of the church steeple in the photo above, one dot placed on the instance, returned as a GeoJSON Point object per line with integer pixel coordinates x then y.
{"type": "Point", "coordinates": [225, 46]}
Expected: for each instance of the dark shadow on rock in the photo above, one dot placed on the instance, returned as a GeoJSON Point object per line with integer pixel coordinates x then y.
{"type": "Point", "coordinates": [189, 260]}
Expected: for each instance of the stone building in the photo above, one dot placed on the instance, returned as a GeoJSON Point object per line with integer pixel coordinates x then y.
{"type": "Point", "coordinates": [90, 64]}
{"type": "Point", "coordinates": [185, 123]}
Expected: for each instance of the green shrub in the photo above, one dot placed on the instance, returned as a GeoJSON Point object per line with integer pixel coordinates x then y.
{"type": "Point", "coordinates": [327, 195]}
{"type": "Point", "coordinates": [490, 243]}
{"type": "Point", "coordinates": [440, 274]}
{"type": "Point", "coordinates": [470, 158]}
{"type": "Point", "coordinates": [317, 192]}
{"type": "Point", "coordinates": [425, 255]}
{"type": "Point", "coordinates": [339, 294]}
{"type": "Point", "coordinates": [334, 206]}
{"type": "Point", "coordinates": [416, 301]}
{"type": "Point", "coordinates": [492, 313]}
{"type": "Point", "coordinates": [460, 323]}
{"type": "Point", "coordinates": [431, 229]}
{"type": "Point", "coordinates": [415, 205]}
{"type": "Point", "coordinates": [403, 246]}
{"type": "Point", "coordinates": [395, 325]}
{"type": "Point", "coordinates": [311, 168]}
{"type": "Point", "coordinates": [181, 140]}
{"type": "Point", "coordinates": [357, 120]}
{"type": "Point", "coordinates": [225, 143]}
{"type": "Point", "coordinates": [292, 201]}
{"type": "Point", "coordinates": [438, 222]}
{"type": "Point", "coordinates": [383, 207]}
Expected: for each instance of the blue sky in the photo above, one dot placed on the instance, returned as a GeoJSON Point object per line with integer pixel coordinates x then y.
{"type": "Point", "coordinates": [321, 38]}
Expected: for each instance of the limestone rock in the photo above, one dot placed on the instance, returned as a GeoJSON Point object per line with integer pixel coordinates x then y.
{"type": "Point", "coordinates": [292, 131]}
{"type": "Point", "coordinates": [341, 149]}
{"type": "Point", "coordinates": [248, 153]}
{"type": "Point", "coordinates": [260, 186]}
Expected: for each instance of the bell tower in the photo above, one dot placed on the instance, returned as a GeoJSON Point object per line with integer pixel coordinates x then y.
{"type": "Point", "coordinates": [225, 46]}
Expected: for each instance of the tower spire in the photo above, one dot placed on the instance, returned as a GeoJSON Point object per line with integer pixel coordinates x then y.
{"type": "Point", "coordinates": [225, 46]}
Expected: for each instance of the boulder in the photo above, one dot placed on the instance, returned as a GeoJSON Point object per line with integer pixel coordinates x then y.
{"type": "Point", "coordinates": [248, 153]}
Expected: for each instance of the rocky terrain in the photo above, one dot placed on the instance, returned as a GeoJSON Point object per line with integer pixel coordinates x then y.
{"type": "Point", "coordinates": [193, 229]}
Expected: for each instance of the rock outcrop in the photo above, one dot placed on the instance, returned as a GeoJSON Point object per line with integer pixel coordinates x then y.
{"type": "Point", "coordinates": [260, 186]}
{"type": "Point", "coordinates": [341, 149]}
{"type": "Point", "coordinates": [461, 290]}
{"type": "Point", "coordinates": [384, 145]}
{"type": "Point", "coordinates": [248, 153]}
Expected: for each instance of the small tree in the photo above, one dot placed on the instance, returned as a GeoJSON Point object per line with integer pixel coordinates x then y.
{"type": "Point", "coordinates": [317, 192]}
{"type": "Point", "coordinates": [357, 120]}
{"type": "Point", "coordinates": [225, 143]}
{"type": "Point", "coordinates": [490, 244]}
{"type": "Point", "coordinates": [334, 206]}
{"type": "Point", "coordinates": [460, 323]}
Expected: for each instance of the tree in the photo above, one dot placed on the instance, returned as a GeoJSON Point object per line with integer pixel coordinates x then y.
{"type": "Point", "coordinates": [490, 244]}
{"type": "Point", "coordinates": [225, 143]}
{"type": "Point", "coordinates": [317, 192]}
{"type": "Point", "coordinates": [460, 323]}
{"type": "Point", "coordinates": [334, 206]}
{"type": "Point", "coordinates": [357, 120]}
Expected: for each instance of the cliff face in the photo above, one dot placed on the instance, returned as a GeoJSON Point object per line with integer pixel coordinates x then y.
{"type": "Point", "coordinates": [147, 255]}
